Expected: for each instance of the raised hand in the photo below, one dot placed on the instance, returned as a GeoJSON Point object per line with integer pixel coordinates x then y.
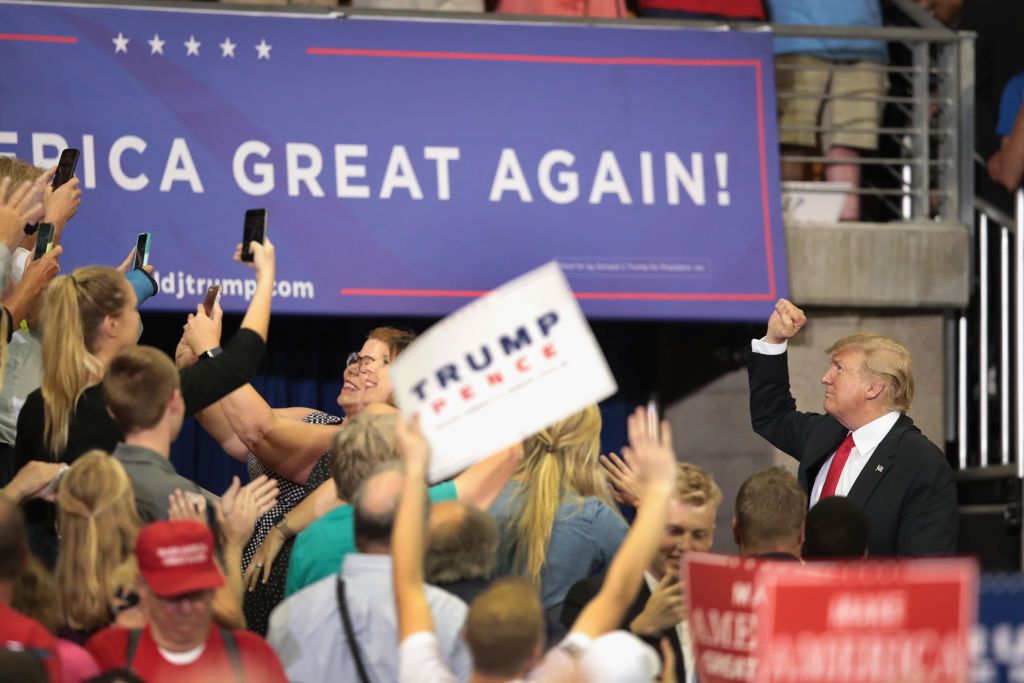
{"type": "Point", "coordinates": [652, 454]}
{"type": "Point", "coordinates": [621, 474]}
{"type": "Point", "coordinates": [202, 332]}
{"type": "Point", "coordinates": [186, 505]}
{"type": "Point", "coordinates": [18, 206]}
{"type": "Point", "coordinates": [412, 444]}
{"type": "Point", "coordinates": [786, 320]}
{"type": "Point", "coordinates": [62, 204]}
{"type": "Point", "coordinates": [264, 258]}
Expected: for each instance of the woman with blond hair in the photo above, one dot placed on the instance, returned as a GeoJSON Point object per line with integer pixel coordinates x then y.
{"type": "Point", "coordinates": [556, 517]}
{"type": "Point", "coordinates": [96, 566]}
{"type": "Point", "coordinates": [89, 317]}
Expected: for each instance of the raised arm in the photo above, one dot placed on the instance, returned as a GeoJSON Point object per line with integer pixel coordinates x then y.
{"type": "Point", "coordinates": [656, 463]}
{"type": "Point", "coordinates": [481, 483]}
{"type": "Point", "coordinates": [407, 543]}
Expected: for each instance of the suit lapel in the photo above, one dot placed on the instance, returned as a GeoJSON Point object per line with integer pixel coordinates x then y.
{"type": "Point", "coordinates": [880, 463]}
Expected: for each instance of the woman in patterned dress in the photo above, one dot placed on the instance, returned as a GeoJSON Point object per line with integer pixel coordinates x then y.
{"type": "Point", "coordinates": [291, 446]}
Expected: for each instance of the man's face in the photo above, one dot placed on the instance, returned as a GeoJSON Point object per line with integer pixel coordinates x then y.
{"type": "Point", "coordinates": [688, 527]}
{"type": "Point", "coordinates": [180, 623]}
{"type": "Point", "coordinates": [845, 387]}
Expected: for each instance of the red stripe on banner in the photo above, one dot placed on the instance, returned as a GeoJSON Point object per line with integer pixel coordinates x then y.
{"type": "Point", "coordinates": [33, 38]}
{"type": "Point", "coordinates": [607, 296]}
{"type": "Point", "coordinates": [549, 59]}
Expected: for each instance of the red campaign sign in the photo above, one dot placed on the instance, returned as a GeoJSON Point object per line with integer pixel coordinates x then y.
{"type": "Point", "coordinates": [720, 600]}
{"type": "Point", "coordinates": [867, 622]}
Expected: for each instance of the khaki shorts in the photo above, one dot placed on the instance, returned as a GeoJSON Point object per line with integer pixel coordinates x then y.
{"type": "Point", "coordinates": [819, 77]}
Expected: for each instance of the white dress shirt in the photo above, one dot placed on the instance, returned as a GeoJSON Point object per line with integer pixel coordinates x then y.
{"type": "Point", "coordinates": [307, 633]}
{"type": "Point", "coordinates": [683, 633]}
{"type": "Point", "coordinates": [865, 439]}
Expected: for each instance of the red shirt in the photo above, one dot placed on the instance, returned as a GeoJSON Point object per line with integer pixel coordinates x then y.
{"type": "Point", "coordinates": [259, 663]}
{"type": "Point", "coordinates": [735, 9]}
{"type": "Point", "coordinates": [18, 632]}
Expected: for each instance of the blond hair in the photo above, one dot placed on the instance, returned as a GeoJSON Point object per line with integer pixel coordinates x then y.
{"type": "Point", "coordinates": [696, 487]}
{"type": "Point", "coordinates": [18, 171]}
{"type": "Point", "coordinates": [505, 627]}
{"type": "Point", "coordinates": [74, 309]}
{"type": "Point", "coordinates": [560, 464]}
{"type": "Point", "coordinates": [365, 441]}
{"type": "Point", "coordinates": [885, 360]}
{"type": "Point", "coordinates": [98, 527]}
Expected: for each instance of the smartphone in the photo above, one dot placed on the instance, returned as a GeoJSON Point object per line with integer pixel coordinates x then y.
{"type": "Point", "coordinates": [653, 418]}
{"type": "Point", "coordinates": [212, 294]}
{"type": "Point", "coordinates": [142, 250]}
{"type": "Point", "coordinates": [66, 167]}
{"type": "Point", "coordinates": [44, 240]}
{"type": "Point", "coordinates": [255, 230]}
{"type": "Point", "coordinates": [51, 488]}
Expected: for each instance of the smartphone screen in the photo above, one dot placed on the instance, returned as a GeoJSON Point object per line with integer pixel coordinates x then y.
{"type": "Point", "coordinates": [66, 167]}
{"type": "Point", "coordinates": [255, 230]}
{"type": "Point", "coordinates": [212, 294]}
{"type": "Point", "coordinates": [44, 240]}
{"type": "Point", "coordinates": [653, 419]}
{"type": "Point", "coordinates": [142, 250]}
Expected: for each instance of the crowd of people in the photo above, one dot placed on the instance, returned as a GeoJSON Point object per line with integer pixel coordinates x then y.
{"type": "Point", "coordinates": [336, 560]}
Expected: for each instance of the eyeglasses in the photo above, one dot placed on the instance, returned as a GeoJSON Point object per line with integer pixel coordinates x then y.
{"type": "Point", "coordinates": [365, 363]}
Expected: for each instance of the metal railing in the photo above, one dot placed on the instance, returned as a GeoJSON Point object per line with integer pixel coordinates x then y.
{"type": "Point", "coordinates": [999, 365]}
{"type": "Point", "coordinates": [922, 169]}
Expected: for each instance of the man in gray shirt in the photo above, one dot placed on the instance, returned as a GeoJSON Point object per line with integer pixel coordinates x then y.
{"type": "Point", "coordinates": [142, 389]}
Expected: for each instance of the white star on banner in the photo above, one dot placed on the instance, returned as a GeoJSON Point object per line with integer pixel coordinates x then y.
{"type": "Point", "coordinates": [263, 49]}
{"type": "Point", "coordinates": [228, 48]}
{"type": "Point", "coordinates": [120, 43]}
{"type": "Point", "coordinates": [156, 44]}
{"type": "Point", "coordinates": [192, 45]}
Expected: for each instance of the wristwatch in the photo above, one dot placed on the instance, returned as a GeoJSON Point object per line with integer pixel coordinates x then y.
{"type": "Point", "coordinates": [285, 530]}
{"type": "Point", "coordinates": [211, 353]}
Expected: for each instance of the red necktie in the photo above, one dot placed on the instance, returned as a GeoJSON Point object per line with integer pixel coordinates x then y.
{"type": "Point", "coordinates": [835, 470]}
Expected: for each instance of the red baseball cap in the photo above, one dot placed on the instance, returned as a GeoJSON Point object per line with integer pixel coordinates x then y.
{"type": "Point", "coordinates": [177, 558]}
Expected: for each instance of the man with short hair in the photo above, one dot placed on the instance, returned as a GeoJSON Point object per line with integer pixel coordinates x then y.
{"type": "Point", "coordinates": [18, 632]}
{"type": "Point", "coordinates": [142, 389]}
{"type": "Point", "coordinates": [310, 629]}
{"type": "Point", "coordinates": [864, 447]}
{"type": "Point", "coordinates": [177, 579]}
{"type": "Point", "coordinates": [769, 519]}
{"type": "Point", "coordinates": [366, 442]}
{"type": "Point", "coordinates": [659, 609]}
{"type": "Point", "coordinates": [462, 551]}
{"type": "Point", "coordinates": [836, 529]}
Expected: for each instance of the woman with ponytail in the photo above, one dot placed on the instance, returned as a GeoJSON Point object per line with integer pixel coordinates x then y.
{"type": "Point", "coordinates": [98, 527]}
{"type": "Point", "coordinates": [557, 520]}
{"type": "Point", "coordinates": [90, 316]}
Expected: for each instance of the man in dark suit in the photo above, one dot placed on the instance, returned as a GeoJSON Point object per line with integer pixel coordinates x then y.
{"type": "Point", "coordinates": [864, 447]}
{"type": "Point", "coordinates": [659, 610]}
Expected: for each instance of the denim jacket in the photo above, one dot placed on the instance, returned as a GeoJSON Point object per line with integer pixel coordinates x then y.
{"type": "Point", "coordinates": [584, 538]}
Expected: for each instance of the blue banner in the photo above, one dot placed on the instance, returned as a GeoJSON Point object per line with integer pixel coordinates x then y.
{"type": "Point", "coordinates": [999, 640]}
{"type": "Point", "coordinates": [409, 165]}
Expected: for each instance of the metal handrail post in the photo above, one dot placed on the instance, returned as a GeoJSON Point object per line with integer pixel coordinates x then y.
{"type": "Point", "coordinates": [983, 304]}
{"type": "Point", "coordinates": [1018, 342]}
{"type": "Point", "coordinates": [1004, 345]}
{"type": "Point", "coordinates": [922, 180]}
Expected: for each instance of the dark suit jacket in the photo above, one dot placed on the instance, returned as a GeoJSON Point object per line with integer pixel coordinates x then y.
{"type": "Point", "coordinates": [906, 488]}
{"type": "Point", "coordinates": [584, 591]}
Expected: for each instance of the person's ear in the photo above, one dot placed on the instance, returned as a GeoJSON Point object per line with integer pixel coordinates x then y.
{"type": "Point", "coordinates": [875, 389]}
{"type": "Point", "coordinates": [735, 532]}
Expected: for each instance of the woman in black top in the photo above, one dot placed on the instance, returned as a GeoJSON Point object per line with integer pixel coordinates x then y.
{"type": "Point", "coordinates": [89, 317]}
